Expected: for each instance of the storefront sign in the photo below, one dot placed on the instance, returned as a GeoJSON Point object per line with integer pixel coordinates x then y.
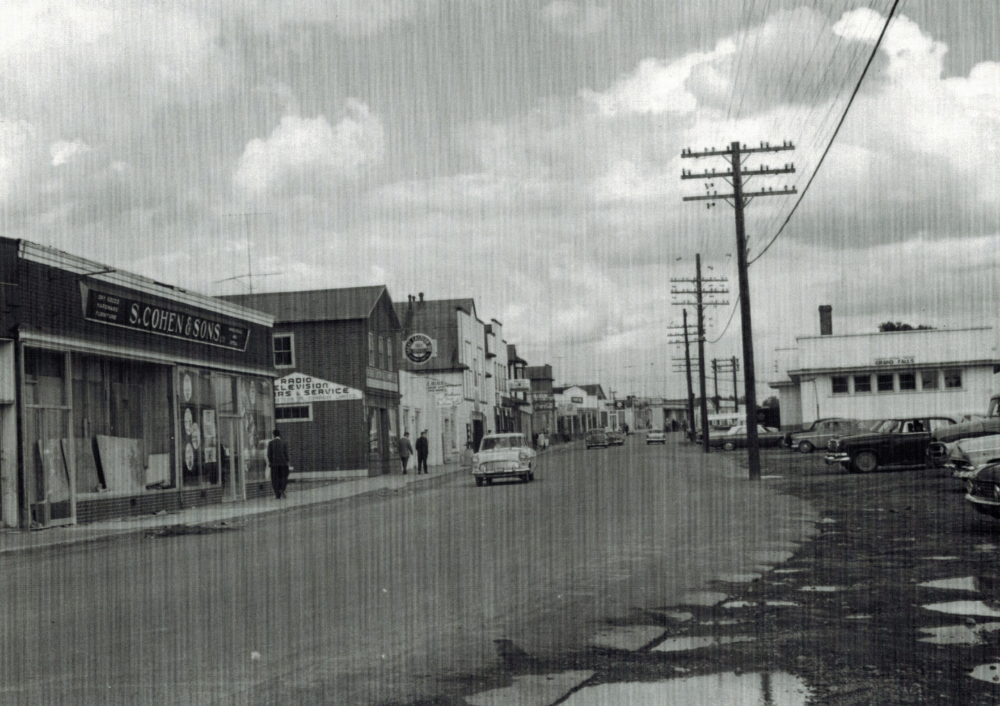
{"type": "Point", "coordinates": [519, 385]}
{"type": "Point", "coordinates": [576, 400]}
{"type": "Point", "coordinates": [419, 348]}
{"type": "Point", "coordinates": [302, 389]}
{"type": "Point", "coordinates": [543, 402]}
{"type": "Point", "coordinates": [379, 379]}
{"type": "Point", "coordinates": [127, 312]}
{"type": "Point", "coordinates": [448, 399]}
{"type": "Point", "coordinates": [903, 360]}
{"type": "Point", "coordinates": [440, 385]}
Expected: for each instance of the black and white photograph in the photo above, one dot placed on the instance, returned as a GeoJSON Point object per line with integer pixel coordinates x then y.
{"type": "Point", "coordinates": [499, 352]}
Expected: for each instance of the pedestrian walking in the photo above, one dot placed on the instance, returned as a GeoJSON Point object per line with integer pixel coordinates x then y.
{"type": "Point", "coordinates": [543, 439]}
{"type": "Point", "coordinates": [277, 458]}
{"type": "Point", "coordinates": [422, 452]}
{"type": "Point", "coordinates": [405, 450]}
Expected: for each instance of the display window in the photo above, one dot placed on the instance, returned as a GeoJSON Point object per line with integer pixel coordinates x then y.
{"type": "Point", "coordinates": [255, 406]}
{"type": "Point", "coordinates": [49, 485]}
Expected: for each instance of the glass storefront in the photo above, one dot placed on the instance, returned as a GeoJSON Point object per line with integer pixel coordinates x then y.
{"type": "Point", "coordinates": [98, 427]}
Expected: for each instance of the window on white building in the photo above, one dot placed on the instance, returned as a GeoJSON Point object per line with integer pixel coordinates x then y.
{"type": "Point", "coordinates": [862, 384]}
{"type": "Point", "coordinates": [907, 381]}
{"type": "Point", "coordinates": [839, 385]}
{"type": "Point", "coordinates": [952, 379]}
{"type": "Point", "coordinates": [929, 380]}
{"type": "Point", "coordinates": [371, 350]}
{"type": "Point", "coordinates": [884, 382]}
{"type": "Point", "coordinates": [293, 413]}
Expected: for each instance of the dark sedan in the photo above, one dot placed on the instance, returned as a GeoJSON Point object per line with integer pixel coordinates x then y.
{"type": "Point", "coordinates": [895, 442]}
{"type": "Point", "coordinates": [736, 438]}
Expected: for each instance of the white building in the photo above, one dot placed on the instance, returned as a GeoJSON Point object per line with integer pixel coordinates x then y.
{"type": "Point", "coordinates": [878, 375]}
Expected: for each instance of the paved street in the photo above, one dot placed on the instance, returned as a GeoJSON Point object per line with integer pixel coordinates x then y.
{"type": "Point", "coordinates": [428, 592]}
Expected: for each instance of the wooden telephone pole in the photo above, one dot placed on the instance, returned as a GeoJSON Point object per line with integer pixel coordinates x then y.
{"type": "Point", "coordinates": [700, 292]}
{"type": "Point", "coordinates": [738, 199]}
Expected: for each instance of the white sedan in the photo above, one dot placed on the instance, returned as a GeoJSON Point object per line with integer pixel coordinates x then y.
{"type": "Point", "coordinates": [503, 456]}
{"type": "Point", "coordinates": [655, 436]}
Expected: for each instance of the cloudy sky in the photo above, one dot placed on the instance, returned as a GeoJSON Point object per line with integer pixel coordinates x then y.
{"type": "Point", "coordinates": [525, 154]}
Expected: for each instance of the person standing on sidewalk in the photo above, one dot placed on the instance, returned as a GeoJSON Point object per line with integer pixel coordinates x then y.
{"type": "Point", "coordinates": [277, 458]}
{"type": "Point", "coordinates": [405, 450]}
{"type": "Point", "coordinates": [422, 452]}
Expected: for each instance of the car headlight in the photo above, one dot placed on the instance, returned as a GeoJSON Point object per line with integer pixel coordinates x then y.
{"type": "Point", "coordinates": [524, 455]}
{"type": "Point", "coordinates": [475, 459]}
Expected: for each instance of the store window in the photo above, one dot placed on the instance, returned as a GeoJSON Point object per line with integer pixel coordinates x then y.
{"type": "Point", "coordinates": [884, 382]}
{"type": "Point", "coordinates": [293, 413]}
{"type": "Point", "coordinates": [371, 350]}
{"type": "Point", "coordinates": [122, 425]}
{"type": "Point", "coordinates": [255, 406]}
{"type": "Point", "coordinates": [839, 385]}
{"type": "Point", "coordinates": [862, 384]}
{"type": "Point", "coordinates": [46, 446]}
{"type": "Point", "coordinates": [198, 433]}
{"type": "Point", "coordinates": [929, 380]}
{"type": "Point", "coordinates": [952, 379]}
{"type": "Point", "coordinates": [907, 381]}
{"type": "Point", "coordinates": [390, 344]}
{"type": "Point", "coordinates": [284, 350]}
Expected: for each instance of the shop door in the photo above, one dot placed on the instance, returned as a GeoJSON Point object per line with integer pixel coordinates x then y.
{"type": "Point", "coordinates": [231, 459]}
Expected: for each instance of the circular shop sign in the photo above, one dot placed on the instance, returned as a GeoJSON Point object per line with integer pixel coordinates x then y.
{"type": "Point", "coordinates": [418, 348]}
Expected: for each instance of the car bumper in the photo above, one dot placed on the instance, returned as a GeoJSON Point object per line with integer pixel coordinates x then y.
{"type": "Point", "coordinates": [836, 458]}
{"type": "Point", "coordinates": [984, 505]}
{"type": "Point", "coordinates": [500, 471]}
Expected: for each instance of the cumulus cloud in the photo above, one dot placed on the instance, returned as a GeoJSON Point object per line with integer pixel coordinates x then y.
{"type": "Point", "coordinates": [310, 148]}
{"type": "Point", "coordinates": [568, 17]}
{"type": "Point", "coordinates": [62, 151]}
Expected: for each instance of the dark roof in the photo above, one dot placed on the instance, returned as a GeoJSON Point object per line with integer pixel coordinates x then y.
{"type": "Point", "coordinates": [594, 390]}
{"type": "Point", "coordinates": [512, 356]}
{"type": "Point", "coordinates": [538, 372]}
{"type": "Point", "coordinates": [315, 304]}
{"type": "Point", "coordinates": [437, 319]}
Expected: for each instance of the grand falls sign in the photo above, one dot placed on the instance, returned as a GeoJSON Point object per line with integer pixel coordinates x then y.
{"type": "Point", "coordinates": [302, 389]}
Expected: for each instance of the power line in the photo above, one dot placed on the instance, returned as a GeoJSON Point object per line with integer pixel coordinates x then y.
{"type": "Point", "coordinates": [836, 130]}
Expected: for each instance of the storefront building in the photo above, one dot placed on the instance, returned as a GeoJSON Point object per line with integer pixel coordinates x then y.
{"type": "Point", "coordinates": [122, 396]}
{"type": "Point", "coordinates": [338, 394]}
{"type": "Point", "coordinates": [880, 375]}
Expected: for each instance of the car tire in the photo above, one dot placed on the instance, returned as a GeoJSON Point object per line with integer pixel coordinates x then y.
{"type": "Point", "coordinates": [531, 477]}
{"type": "Point", "coordinates": [728, 446]}
{"type": "Point", "coordinates": [866, 462]}
{"type": "Point", "coordinates": [479, 482]}
{"type": "Point", "coordinates": [806, 447]}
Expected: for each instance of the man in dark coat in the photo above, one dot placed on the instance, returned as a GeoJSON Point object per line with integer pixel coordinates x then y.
{"type": "Point", "coordinates": [277, 458]}
{"type": "Point", "coordinates": [405, 450]}
{"type": "Point", "coordinates": [422, 452]}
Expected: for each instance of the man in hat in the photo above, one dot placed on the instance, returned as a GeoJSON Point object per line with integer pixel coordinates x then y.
{"type": "Point", "coordinates": [277, 458]}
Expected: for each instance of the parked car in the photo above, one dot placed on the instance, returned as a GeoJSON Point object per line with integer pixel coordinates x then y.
{"type": "Point", "coordinates": [983, 490]}
{"type": "Point", "coordinates": [818, 434]}
{"type": "Point", "coordinates": [901, 441]}
{"type": "Point", "coordinates": [596, 438]}
{"type": "Point", "coordinates": [656, 436]}
{"type": "Point", "coordinates": [616, 438]}
{"type": "Point", "coordinates": [503, 456]}
{"type": "Point", "coordinates": [966, 456]}
{"type": "Point", "coordinates": [969, 426]}
{"type": "Point", "coordinates": [736, 437]}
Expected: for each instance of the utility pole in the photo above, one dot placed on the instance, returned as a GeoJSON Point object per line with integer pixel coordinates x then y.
{"type": "Point", "coordinates": [725, 365]}
{"type": "Point", "coordinates": [700, 302]}
{"type": "Point", "coordinates": [687, 367]}
{"type": "Point", "coordinates": [738, 199]}
{"type": "Point", "coordinates": [715, 377]}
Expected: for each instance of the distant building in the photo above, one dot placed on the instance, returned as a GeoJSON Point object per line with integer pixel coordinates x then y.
{"type": "Point", "coordinates": [336, 352]}
{"type": "Point", "coordinates": [543, 405]}
{"type": "Point", "coordinates": [877, 375]}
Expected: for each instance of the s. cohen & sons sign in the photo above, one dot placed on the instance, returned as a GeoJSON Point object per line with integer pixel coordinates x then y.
{"type": "Point", "coordinates": [127, 312]}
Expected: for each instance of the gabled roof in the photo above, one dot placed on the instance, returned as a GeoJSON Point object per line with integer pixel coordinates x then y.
{"type": "Point", "coordinates": [316, 304]}
{"type": "Point", "coordinates": [594, 390]}
{"type": "Point", "coordinates": [437, 319]}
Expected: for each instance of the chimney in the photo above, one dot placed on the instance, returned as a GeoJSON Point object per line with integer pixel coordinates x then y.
{"type": "Point", "coordinates": [421, 296]}
{"type": "Point", "coordinates": [825, 320]}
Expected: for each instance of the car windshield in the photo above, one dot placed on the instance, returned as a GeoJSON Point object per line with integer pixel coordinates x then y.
{"type": "Point", "coordinates": [501, 442]}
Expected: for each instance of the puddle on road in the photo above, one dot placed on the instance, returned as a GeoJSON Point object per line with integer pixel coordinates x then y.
{"type": "Point", "coordinates": [750, 604]}
{"type": "Point", "coordinates": [987, 672]}
{"type": "Point", "coordinates": [966, 583]}
{"type": "Point", "coordinates": [531, 690]}
{"type": "Point", "coordinates": [771, 556]}
{"type": "Point", "coordinates": [858, 617]}
{"type": "Point", "coordinates": [958, 634]}
{"type": "Point", "coordinates": [821, 589]}
{"type": "Point", "coordinates": [986, 547]}
{"type": "Point", "coordinates": [965, 608]}
{"type": "Point", "coordinates": [704, 598]}
{"type": "Point", "coordinates": [626, 637]}
{"type": "Point", "coordinates": [679, 615]}
{"type": "Point", "coordinates": [788, 571]}
{"type": "Point", "coordinates": [942, 558]}
{"type": "Point", "coordinates": [684, 644]}
{"type": "Point", "coordinates": [727, 689]}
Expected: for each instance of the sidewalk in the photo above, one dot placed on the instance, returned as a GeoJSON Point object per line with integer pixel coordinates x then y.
{"type": "Point", "coordinates": [300, 493]}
